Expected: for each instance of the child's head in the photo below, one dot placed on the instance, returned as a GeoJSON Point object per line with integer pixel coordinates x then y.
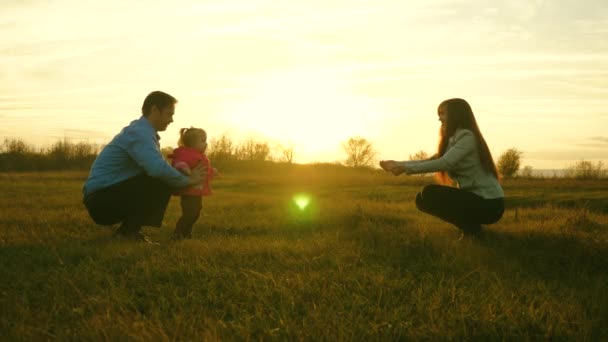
{"type": "Point", "coordinates": [193, 137]}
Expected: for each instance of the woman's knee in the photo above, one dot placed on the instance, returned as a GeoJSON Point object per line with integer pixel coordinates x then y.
{"type": "Point", "coordinates": [419, 203]}
{"type": "Point", "coordinates": [429, 192]}
{"type": "Point", "coordinates": [494, 217]}
{"type": "Point", "coordinates": [422, 204]}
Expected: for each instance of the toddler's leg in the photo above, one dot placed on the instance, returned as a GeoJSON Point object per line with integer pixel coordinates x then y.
{"type": "Point", "coordinates": [191, 208]}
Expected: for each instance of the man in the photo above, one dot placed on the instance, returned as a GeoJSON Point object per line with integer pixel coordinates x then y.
{"type": "Point", "coordinates": [130, 182]}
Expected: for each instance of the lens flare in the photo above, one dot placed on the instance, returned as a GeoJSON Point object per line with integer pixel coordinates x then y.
{"type": "Point", "coordinates": [301, 201]}
{"type": "Point", "coordinates": [303, 210]}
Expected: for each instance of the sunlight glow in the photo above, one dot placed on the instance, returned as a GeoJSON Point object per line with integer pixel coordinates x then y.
{"type": "Point", "coordinates": [301, 201]}
{"type": "Point", "coordinates": [309, 108]}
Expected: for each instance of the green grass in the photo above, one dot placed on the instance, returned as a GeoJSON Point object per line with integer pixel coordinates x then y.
{"type": "Point", "coordinates": [359, 263]}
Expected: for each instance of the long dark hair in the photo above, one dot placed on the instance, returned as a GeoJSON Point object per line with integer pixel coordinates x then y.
{"type": "Point", "coordinates": [460, 115]}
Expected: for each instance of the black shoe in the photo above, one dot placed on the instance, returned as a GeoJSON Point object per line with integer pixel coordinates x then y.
{"type": "Point", "coordinates": [126, 229]}
{"type": "Point", "coordinates": [180, 236]}
{"type": "Point", "coordinates": [471, 230]}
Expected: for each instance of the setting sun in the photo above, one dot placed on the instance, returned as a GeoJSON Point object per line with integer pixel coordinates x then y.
{"type": "Point", "coordinates": [312, 110]}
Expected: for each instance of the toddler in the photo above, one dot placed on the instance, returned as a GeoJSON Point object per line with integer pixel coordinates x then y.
{"type": "Point", "coordinates": [191, 151]}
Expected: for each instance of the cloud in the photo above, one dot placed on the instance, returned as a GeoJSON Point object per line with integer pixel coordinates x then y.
{"type": "Point", "coordinates": [83, 134]}
{"type": "Point", "coordinates": [566, 155]}
{"type": "Point", "coordinates": [596, 142]}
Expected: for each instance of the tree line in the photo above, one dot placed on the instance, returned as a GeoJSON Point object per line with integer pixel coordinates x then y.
{"type": "Point", "coordinates": [225, 153]}
{"type": "Point", "coordinates": [16, 155]}
{"type": "Point", "coordinates": [509, 162]}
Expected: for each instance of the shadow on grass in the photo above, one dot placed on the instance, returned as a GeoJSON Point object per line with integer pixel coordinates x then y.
{"type": "Point", "coordinates": [566, 259]}
{"type": "Point", "coordinates": [26, 260]}
{"type": "Point", "coordinates": [599, 205]}
{"type": "Point", "coordinates": [548, 255]}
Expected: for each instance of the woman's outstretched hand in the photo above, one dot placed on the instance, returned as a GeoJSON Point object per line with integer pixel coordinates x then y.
{"type": "Point", "coordinates": [392, 167]}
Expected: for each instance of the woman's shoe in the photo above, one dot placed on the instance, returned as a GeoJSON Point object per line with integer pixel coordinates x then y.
{"type": "Point", "coordinates": [472, 230]}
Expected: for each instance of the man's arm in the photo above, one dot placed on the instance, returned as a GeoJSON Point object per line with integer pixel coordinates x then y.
{"type": "Point", "coordinates": [143, 150]}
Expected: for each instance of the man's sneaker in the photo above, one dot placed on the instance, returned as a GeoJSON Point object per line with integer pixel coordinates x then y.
{"type": "Point", "coordinates": [133, 236]}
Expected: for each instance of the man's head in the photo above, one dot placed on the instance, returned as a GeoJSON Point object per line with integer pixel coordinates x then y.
{"type": "Point", "coordinates": [159, 108]}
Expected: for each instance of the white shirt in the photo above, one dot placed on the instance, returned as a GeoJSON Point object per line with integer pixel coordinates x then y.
{"type": "Point", "coordinates": [461, 161]}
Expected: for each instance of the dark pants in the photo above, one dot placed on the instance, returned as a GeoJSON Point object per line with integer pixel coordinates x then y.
{"type": "Point", "coordinates": [459, 207]}
{"type": "Point", "coordinates": [191, 209]}
{"type": "Point", "coordinates": [135, 202]}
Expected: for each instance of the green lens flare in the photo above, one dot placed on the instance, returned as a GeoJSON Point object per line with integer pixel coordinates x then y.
{"type": "Point", "coordinates": [301, 201]}
{"type": "Point", "coordinates": [303, 210]}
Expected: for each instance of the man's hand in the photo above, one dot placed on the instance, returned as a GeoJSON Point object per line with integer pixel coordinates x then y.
{"type": "Point", "coordinates": [198, 173]}
{"type": "Point", "coordinates": [183, 168]}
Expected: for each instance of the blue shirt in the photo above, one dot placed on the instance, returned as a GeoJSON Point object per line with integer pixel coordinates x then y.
{"type": "Point", "coordinates": [132, 152]}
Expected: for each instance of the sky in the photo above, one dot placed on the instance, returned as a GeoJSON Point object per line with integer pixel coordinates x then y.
{"type": "Point", "coordinates": [311, 74]}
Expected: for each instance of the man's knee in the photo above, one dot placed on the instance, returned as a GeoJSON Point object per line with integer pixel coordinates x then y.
{"type": "Point", "coordinates": [103, 219]}
{"type": "Point", "coordinates": [100, 213]}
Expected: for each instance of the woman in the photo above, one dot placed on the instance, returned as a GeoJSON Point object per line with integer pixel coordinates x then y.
{"type": "Point", "coordinates": [462, 156]}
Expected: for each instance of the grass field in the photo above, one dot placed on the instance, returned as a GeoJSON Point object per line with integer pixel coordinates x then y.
{"type": "Point", "coordinates": [358, 263]}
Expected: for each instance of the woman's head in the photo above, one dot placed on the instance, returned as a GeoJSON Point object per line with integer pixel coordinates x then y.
{"type": "Point", "coordinates": [193, 137]}
{"type": "Point", "coordinates": [457, 114]}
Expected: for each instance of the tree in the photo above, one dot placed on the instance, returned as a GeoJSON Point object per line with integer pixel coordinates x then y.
{"type": "Point", "coordinates": [420, 155]}
{"type": "Point", "coordinates": [221, 149]}
{"type": "Point", "coordinates": [251, 149]}
{"type": "Point", "coordinates": [60, 151]}
{"type": "Point", "coordinates": [359, 151]}
{"type": "Point", "coordinates": [286, 153]}
{"type": "Point", "coordinates": [508, 162]}
{"type": "Point", "coordinates": [15, 146]}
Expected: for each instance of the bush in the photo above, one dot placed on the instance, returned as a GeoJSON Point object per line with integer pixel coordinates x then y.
{"type": "Point", "coordinates": [586, 170]}
{"type": "Point", "coordinates": [526, 172]}
{"type": "Point", "coordinates": [508, 162]}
